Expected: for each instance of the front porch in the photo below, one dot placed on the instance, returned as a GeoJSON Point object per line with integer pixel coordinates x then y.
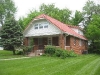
{"type": "Point", "coordinates": [40, 42]}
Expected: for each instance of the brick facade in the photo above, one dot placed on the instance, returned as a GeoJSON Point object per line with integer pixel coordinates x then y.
{"type": "Point", "coordinates": [62, 41]}
{"type": "Point", "coordinates": [78, 45]}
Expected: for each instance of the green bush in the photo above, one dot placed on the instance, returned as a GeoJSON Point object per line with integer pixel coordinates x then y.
{"type": "Point", "coordinates": [64, 54]}
{"type": "Point", "coordinates": [72, 53]}
{"type": "Point", "coordinates": [58, 52]}
{"type": "Point", "coordinates": [50, 49]}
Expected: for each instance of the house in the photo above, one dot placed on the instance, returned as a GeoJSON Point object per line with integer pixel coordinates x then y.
{"type": "Point", "coordinates": [45, 30]}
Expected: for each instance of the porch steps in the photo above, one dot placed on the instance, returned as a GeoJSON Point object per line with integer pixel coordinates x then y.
{"type": "Point", "coordinates": [31, 54]}
{"type": "Point", "coordinates": [36, 53]}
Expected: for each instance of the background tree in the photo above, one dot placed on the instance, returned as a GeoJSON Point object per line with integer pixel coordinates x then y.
{"type": "Point", "coordinates": [62, 15]}
{"type": "Point", "coordinates": [93, 33]}
{"type": "Point", "coordinates": [77, 18]}
{"type": "Point", "coordinates": [7, 8]}
{"type": "Point", "coordinates": [91, 22]}
{"type": "Point", "coordinates": [11, 35]}
{"type": "Point", "coordinates": [88, 10]}
{"type": "Point", "coordinates": [24, 21]}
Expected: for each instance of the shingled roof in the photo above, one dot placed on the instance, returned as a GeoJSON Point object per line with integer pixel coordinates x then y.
{"type": "Point", "coordinates": [64, 27]}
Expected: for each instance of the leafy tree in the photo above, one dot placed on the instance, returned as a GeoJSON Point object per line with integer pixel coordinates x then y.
{"type": "Point", "coordinates": [88, 10]}
{"type": "Point", "coordinates": [62, 15]}
{"type": "Point", "coordinates": [93, 33]}
{"type": "Point", "coordinates": [78, 17]}
{"type": "Point", "coordinates": [23, 22]}
{"type": "Point", "coordinates": [11, 35]}
{"type": "Point", "coordinates": [7, 8]}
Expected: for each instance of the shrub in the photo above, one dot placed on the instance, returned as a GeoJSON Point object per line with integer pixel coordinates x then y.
{"type": "Point", "coordinates": [58, 52]}
{"type": "Point", "coordinates": [50, 49]}
{"type": "Point", "coordinates": [72, 53]}
{"type": "Point", "coordinates": [64, 54]}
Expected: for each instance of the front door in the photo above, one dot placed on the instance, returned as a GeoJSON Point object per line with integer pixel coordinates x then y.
{"type": "Point", "coordinates": [40, 43]}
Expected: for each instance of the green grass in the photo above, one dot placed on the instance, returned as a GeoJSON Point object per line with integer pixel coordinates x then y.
{"type": "Point", "coordinates": [42, 65]}
{"type": "Point", "coordinates": [8, 54]}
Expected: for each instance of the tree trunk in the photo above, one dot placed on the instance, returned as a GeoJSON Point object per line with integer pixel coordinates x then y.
{"type": "Point", "coordinates": [14, 52]}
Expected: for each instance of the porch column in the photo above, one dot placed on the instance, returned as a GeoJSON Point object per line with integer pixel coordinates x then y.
{"type": "Point", "coordinates": [62, 41]}
{"type": "Point", "coordinates": [26, 41]}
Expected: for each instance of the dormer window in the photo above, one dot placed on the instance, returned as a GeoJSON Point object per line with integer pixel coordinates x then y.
{"type": "Point", "coordinates": [40, 26]}
{"type": "Point", "coordinates": [45, 25]}
{"type": "Point", "coordinates": [36, 26]}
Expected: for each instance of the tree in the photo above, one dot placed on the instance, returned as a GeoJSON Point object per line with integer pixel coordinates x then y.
{"type": "Point", "coordinates": [93, 33]}
{"type": "Point", "coordinates": [24, 21]}
{"type": "Point", "coordinates": [7, 8]}
{"type": "Point", "coordinates": [78, 17]}
{"type": "Point", "coordinates": [11, 35]}
{"type": "Point", "coordinates": [88, 10]}
{"type": "Point", "coordinates": [62, 15]}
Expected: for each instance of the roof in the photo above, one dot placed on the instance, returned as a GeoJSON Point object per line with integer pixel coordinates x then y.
{"type": "Point", "coordinates": [76, 27]}
{"type": "Point", "coordinates": [64, 27]}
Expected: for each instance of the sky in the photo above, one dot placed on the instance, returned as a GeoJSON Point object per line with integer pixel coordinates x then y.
{"type": "Point", "coordinates": [24, 6]}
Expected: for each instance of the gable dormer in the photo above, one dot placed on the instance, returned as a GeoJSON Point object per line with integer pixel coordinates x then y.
{"type": "Point", "coordinates": [77, 29]}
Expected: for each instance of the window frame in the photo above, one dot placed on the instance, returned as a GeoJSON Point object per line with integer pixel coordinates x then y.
{"type": "Point", "coordinates": [40, 26]}
{"type": "Point", "coordinates": [80, 42]}
{"type": "Point", "coordinates": [36, 26]}
{"type": "Point", "coordinates": [45, 25]}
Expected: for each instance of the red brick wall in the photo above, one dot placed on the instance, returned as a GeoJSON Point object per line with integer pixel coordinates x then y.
{"type": "Point", "coordinates": [61, 41]}
{"type": "Point", "coordinates": [75, 45]}
{"type": "Point", "coordinates": [25, 41]}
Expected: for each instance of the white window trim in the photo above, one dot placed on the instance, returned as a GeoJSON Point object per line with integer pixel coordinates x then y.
{"type": "Point", "coordinates": [40, 26]}
{"type": "Point", "coordinates": [36, 26]}
{"type": "Point", "coordinates": [80, 42]}
{"type": "Point", "coordinates": [50, 40]}
{"type": "Point", "coordinates": [74, 40]}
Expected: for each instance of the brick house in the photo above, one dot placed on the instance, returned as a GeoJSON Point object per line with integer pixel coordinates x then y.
{"type": "Point", "coordinates": [45, 30]}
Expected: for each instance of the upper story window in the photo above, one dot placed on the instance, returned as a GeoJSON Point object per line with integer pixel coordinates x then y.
{"type": "Point", "coordinates": [40, 26]}
{"type": "Point", "coordinates": [45, 25]}
{"type": "Point", "coordinates": [36, 26]}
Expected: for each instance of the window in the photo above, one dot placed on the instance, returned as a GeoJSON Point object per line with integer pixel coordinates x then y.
{"type": "Point", "coordinates": [45, 25]}
{"type": "Point", "coordinates": [74, 41]}
{"type": "Point", "coordinates": [36, 26]}
{"type": "Point", "coordinates": [40, 26]}
{"type": "Point", "coordinates": [49, 41]}
{"type": "Point", "coordinates": [80, 42]}
{"type": "Point", "coordinates": [40, 41]}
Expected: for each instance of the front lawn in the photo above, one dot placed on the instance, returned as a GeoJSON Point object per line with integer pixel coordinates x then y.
{"type": "Point", "coordinates": [8, 54]}
{"type": "Point", "coordinates": [42, 65]}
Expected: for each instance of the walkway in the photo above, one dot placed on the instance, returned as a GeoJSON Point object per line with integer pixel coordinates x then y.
{"type": "Point", "coordinates": [15, 58]}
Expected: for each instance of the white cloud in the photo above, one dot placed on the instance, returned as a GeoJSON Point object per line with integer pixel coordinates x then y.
{"type": "Point", "coordinates": [23, 6]}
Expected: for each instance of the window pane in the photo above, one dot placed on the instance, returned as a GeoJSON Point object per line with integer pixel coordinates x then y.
{"type": "Point", "coordinates": [40, 26]}
{"type": "Point", "coordinates": [36, 26]}
{"type": "Point", "coordinates": [45, 25]}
